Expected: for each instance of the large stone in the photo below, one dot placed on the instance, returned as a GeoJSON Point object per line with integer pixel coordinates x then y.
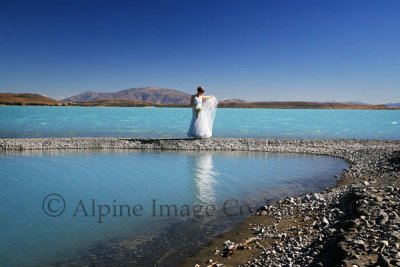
{"type": "Point", "coordinates": [383, 261]}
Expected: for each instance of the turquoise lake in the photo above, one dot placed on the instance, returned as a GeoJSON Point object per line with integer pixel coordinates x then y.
{"type": "Point", "coordinates": [18, 121]}
{"type": "Point", "coordinates": [52, 200]}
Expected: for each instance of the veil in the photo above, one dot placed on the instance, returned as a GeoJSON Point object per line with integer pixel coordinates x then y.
{"type": "Point", "coordinates": [210, 108]}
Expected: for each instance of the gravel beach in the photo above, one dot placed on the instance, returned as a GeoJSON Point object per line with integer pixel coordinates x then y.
{"type": "Point", "coordinates": [355, 223]}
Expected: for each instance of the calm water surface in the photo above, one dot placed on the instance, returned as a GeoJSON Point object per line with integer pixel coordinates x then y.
{"type": "Point", "coordinates": [30, 237]}
{"type": "Point", "coordinates": [17, 121]}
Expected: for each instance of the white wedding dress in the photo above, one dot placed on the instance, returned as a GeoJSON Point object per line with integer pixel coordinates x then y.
{"type": "Point", "coordinates": [203, 120]}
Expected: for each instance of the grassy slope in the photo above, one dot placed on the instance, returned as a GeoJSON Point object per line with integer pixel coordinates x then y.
{"type": "Point", "coordinates": [26, 99]}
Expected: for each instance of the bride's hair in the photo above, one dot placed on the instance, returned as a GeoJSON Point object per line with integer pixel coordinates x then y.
{"type": "Point", "coordinates": [200, 90]}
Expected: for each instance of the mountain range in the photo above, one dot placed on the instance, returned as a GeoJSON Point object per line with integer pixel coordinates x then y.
{"type": "Point", "coordinates": [393, 105]}
{"type": "Point", "coordinates": [145, 94]}
{"type": "Point", "coordinates": [160, 97]}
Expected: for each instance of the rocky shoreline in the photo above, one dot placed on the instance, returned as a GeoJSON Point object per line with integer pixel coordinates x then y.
{"type": "Point", "coordinates": [356, 223]}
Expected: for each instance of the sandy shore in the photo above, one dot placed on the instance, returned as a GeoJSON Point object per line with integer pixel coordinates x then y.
{"type": "Point", "coordinates": [354, 223]}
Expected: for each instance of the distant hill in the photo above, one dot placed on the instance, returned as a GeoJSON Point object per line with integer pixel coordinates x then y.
{"type": "Point", "coordinates": [300, 105]}
{"type": "Point", "coordinates": [227, 100]}
{"type": "Point", "coordinates": [347, 102]}
{"type": "Point", "coordinates": [146, 94]}
{"type": "Point", "coordinates": [357, 103]}
{"type": "Point", "coordinates": [26, 99]}
{"type": "Point", "coordinates": [392, 105]}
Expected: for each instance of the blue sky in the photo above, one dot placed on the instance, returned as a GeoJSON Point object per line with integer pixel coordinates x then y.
{"type": "Point", "coordinates": [318, 50]}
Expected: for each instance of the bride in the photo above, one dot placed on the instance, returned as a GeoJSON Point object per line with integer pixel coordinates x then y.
{"type": "Point", "coordinates": [203, 114]}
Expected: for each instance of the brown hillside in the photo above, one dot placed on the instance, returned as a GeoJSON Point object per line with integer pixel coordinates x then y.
{"type": "Point", "coordinates": [26, 99]}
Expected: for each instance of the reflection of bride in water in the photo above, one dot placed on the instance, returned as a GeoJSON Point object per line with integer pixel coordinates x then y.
{"type": "Point", "coordinates": [204, 177]}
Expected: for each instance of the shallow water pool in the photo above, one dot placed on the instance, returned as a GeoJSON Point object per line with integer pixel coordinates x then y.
{"type": "Point", "coordinates": [59, 205]}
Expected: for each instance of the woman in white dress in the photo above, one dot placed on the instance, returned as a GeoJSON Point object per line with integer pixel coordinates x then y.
{"type": "Point", "coordinates": [203, 114]}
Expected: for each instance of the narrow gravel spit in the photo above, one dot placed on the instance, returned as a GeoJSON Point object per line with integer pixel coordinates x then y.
{"type": "Point", "coordinates": [355, 223]}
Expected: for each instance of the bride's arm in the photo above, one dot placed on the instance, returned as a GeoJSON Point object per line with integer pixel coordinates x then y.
{"type": "Point", "coordinates": [192, 101]}
{"type": "Point", "coordinates": [207, 96]}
